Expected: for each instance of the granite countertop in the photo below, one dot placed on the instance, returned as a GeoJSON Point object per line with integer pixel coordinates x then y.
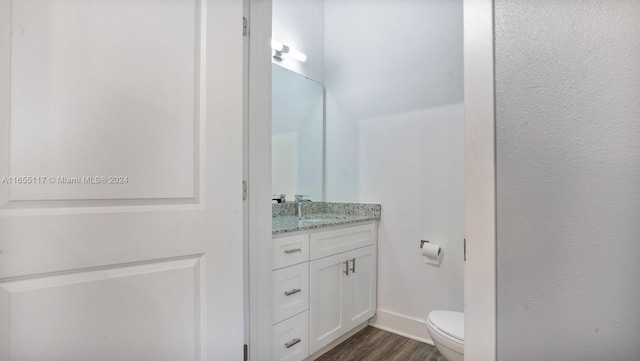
{"type": "Point", "coordinates": [320, 215]}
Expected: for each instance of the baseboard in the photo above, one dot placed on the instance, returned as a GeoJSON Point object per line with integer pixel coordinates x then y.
{"type": "Point", "coordinates": [409, 327]}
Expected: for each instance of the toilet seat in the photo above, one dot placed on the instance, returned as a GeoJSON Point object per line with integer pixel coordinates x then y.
{"type": "Point", "coordinates": [447, 329]}
{"type": "Point", "coordinates": [451, 323]}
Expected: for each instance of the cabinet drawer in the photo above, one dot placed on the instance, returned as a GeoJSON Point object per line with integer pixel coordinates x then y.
{"type": "Point", "coordinates": [290, 339]}
{"type": "Point", "coordinates": [290, 250]}
{"type": "Point", "coordinates": [289, 291]}
{"type": "Point", "coordinates": [323, 244]}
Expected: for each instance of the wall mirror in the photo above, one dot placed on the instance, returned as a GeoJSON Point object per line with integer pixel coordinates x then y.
{"type": "Point", "coordinates": [297, 135]}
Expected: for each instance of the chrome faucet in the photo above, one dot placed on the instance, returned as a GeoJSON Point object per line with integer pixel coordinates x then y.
{"type": "Point", "coordinates": [299, 199]}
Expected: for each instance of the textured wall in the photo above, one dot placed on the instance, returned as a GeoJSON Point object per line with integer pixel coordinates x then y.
{"type": "Point", "coordinates": [568, 179]}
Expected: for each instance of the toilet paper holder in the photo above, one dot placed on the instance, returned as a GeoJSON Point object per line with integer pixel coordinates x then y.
{"type": "Point", "coordinates": [432, 254]}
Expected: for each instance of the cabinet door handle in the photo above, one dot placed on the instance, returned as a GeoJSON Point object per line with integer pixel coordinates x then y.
{"type": "Point", "coordinates": [346, 268]}
{"type": "Point", "coordinates": [287, 251]}
{"type": "Point", "coordinates": [292, 292]}
{"type": "Point", "coordinates": [292, 342]}
{"type": "Point", "coordinates": [353, 265]}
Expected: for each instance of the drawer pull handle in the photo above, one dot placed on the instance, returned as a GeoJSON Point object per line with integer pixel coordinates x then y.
{"type": "Point", "coordinates": [292, 342]}
{"type": "Point", "coordinates": [287, 251]}
{"type": "Point", "coordinates": [292, 292]}
{"type": "Point", "coordinates": [346, 268]}
{"type": "Point", "coordinates": [353, 265]}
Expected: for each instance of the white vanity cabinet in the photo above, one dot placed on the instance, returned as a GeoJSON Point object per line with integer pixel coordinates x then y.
{"type": "Point", "coordinates": [342, 283]}
{"type": "Point", "coordinates": [323, 285]}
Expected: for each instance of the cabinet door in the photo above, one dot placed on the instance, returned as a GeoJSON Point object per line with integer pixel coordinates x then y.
{"type": "Point", "coordinates": [327, 297]}
{"type": "Point", "coordinates": [361, 285]}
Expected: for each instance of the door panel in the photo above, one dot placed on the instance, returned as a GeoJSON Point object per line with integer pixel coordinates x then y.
{"type": "Point", "coordinates": [361, 283]}
{"type": "Point", "coordinates": [327, 296]}
{"type": "Point", "coordinates": [90, 99]}
{"type": "Point", "coordinates": [150, 268]}
{"type": "Point", "coordinates": [83, 315]}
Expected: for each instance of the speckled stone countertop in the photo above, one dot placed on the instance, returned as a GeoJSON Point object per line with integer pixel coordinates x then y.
{"type": "Point", "coordinates": [320, 215]}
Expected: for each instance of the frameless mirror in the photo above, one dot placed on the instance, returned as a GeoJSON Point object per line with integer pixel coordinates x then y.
{"type": "Point", "coordinates": [297, 135]}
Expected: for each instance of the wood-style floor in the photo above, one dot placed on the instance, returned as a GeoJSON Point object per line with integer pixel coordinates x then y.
{"type": "Point", "coordinates": [372, 344]}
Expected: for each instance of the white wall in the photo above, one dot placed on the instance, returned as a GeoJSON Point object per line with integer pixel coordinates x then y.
{"type": "Point", "coordinates": [393, 76]}
{"type": "Point", "coordinates": [299, 24]}
{"type": "Point", "coordinates": [568, 179]}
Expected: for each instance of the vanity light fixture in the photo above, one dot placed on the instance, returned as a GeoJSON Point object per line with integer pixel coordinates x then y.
{"type": "Point", "coordinates": [281, 49]}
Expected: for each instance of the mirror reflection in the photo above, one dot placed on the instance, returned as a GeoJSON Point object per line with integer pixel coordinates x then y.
{"type": "Point", "coordinates": [297, 134]}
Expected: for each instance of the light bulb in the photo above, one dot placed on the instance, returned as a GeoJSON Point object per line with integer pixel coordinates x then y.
{"type": "Point", "coordinates": [276, 45]}
{"type": "Point", "coordinates": [282, 49]}
{"type": "Point", "coordinates": [297, 55]}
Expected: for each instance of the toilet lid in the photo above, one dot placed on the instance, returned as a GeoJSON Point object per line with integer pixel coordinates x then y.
{"type": "Point", "coordinates": [449, 322]}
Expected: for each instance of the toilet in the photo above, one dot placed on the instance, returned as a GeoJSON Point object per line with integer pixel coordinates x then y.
{"type": "Point", "coordinates": [447, 332]}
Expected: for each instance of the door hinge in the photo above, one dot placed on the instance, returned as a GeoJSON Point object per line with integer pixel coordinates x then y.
{"type": "Point", "coordinates": [246, 352]}
{"type": "Point", "coordinates": [245, 190]}
{"type": "Point", "coordinates": [464, 246]}
{"type": "Point", "coordinates": [245, 26]}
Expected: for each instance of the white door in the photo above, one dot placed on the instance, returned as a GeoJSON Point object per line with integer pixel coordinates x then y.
{"type": "Point", "coordinates": [121, 169]}
{"type": "Point", "coordinates": [361, 286]}
{"type": "Point", "coordinates": [327, 290]}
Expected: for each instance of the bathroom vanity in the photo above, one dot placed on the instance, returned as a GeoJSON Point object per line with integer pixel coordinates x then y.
{"type": "Point", "coordinates": [323, 279]}
{"type": "Point", "coordinates": [322, 273]}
